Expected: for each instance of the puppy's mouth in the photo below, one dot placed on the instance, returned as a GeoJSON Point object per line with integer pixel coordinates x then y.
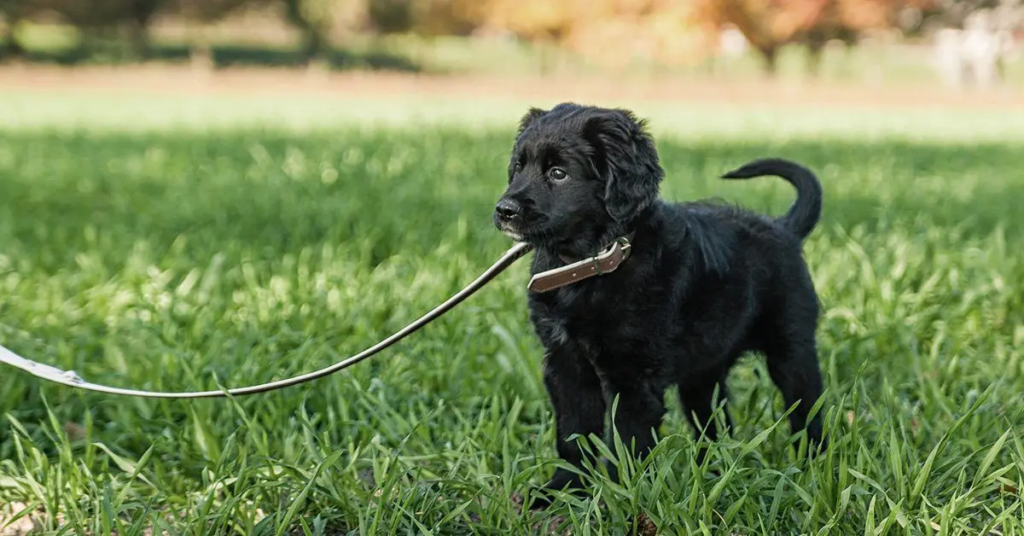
{"type": "Point", "coordinates": [509, 231]}
{"type": "Point", "coordinates": [534, 237]}
{"type": "Point", "coordinates": [533, 232]}
{"type": "Point", "coordinates": [514, 235]}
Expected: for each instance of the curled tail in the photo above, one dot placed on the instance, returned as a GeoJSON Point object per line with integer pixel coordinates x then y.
{"type": "Point", "coordinates": [805, 212]}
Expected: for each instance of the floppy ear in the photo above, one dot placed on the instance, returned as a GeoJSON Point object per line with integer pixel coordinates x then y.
{"type": "Point", "coordinates": [626, 157]}
{"type": "Point", "coordinates": [532, 115]}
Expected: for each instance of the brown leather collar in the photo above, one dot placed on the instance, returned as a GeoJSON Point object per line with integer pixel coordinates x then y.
{"type": "Point", "coordinates": [605, 262]}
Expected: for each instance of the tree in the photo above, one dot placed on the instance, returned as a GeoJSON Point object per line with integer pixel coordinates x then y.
{"type": "Point", "coordinates": [608, 31]}
{"type": "Point", "coordinates": [390, 16]}
{"type": "Point", "coordinates": [846, 21]}
{"type": "Point", "coordinates": [208, 11]}
{"type": "Point", "coordinates": [314, 19]}
{"type": "Point", "coordinates": [447, 17]}
{"type": "Point", "coordinates": [538, 21]}
{"type": "Point", "coordinates": [202, 13]}
{"type": "Point", "coordinates": [535, 20]}
{"type": "Point", "coordinates": [139, 16]}
{"type": "Point", "coordinates": [104, 16]}
{"type": "Point", "coordinates": [769, 25]}
{"type": "Point", "coordinates": [13, 12]}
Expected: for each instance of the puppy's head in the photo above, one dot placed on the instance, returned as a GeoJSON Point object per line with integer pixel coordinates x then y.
{"type": "Point", "coordinates": [578, 175]}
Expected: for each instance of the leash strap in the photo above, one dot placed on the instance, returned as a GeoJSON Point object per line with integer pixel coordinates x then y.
{"type": "Point", "coordinates": [71, 379]}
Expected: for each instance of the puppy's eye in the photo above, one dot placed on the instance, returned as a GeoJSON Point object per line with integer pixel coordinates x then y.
{"type": "Point", "coordinates": [558, 174]}
{"type": "Point", "coordinates": [517, 167]}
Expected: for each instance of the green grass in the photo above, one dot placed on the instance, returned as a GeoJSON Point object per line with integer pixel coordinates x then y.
{"type": "Point", "coordinates": [179, 253]}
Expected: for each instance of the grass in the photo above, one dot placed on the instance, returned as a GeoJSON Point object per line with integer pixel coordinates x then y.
{"type": "Point", "coordinates": [179, 255]}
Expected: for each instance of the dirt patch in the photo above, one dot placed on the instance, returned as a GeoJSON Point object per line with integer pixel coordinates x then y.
{"type": "Point", "coordinates": [20, 527]}
{"type": "Point", "coordinates": [183, 81]}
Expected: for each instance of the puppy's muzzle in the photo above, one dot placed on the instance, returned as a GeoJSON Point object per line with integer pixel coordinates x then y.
{"type": "Point", "coordinates": [508, 210]}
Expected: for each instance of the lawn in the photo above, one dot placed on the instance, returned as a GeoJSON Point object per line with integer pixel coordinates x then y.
{"type": "Point", "coordinates": [179, 245]}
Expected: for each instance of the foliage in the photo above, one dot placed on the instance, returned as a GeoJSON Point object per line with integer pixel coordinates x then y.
{"type": "Point", "coordinates": [182, 259]}
{"type": "Point", "coordinates": [99, 17]}
{"type": "Point", "coordinates": [451, 17]}
{"type": "Point", "coordinates": [769, 25]}
{"type": "Point", "coordinates": [428, 17]}
{"type": "Point", "coordinates": [313, 18]}
{"type": "Point", "coordinates": [12, 12]}
{"type": "Point", "coordinates": [390, 16]}
{"type": "Point", "coordinates": [208, 10]}
{"type": "Point", "coordinates": [609, 32]}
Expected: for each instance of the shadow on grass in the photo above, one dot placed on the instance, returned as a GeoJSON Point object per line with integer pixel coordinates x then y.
{"type": "Point", "coordinates": [226, 56]}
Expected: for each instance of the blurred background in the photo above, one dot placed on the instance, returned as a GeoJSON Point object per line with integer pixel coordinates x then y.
{"type": "Point", "coordinates": [920, 49]}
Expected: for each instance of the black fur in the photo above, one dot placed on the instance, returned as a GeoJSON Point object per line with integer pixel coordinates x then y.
{"type": "Point", "coordinates": [704, 283]}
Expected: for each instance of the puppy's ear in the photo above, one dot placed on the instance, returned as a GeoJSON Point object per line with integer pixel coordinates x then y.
{"type": "Point", "coordinates": [532, 115]}
{"type": "Point", "coordinates": [628, 161]}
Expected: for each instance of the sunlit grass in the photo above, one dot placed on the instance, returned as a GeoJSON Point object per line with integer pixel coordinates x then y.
{"type": "Point", "coordinates": [304, 113]}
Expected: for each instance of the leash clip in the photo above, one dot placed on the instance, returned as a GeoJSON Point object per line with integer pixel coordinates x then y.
{"type": "Point", "coordinates": [47, 372]}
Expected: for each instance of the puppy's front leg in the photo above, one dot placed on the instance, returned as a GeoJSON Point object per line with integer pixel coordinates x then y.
{"type": "Point", "coordinates": [639, 412]}
{"type": "Point", "coordinates": [579, 406]}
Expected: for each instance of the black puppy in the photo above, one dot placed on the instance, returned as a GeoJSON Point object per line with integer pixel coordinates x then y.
{"type": "Point", "coordinates": [702, 283]}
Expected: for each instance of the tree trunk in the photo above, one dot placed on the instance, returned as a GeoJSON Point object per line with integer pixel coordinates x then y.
{"type": "Point", "coordinates": [139, 35]}
{"type": "Point", "coordinates": [770, 59]}
{"type": "Point", "coordinates": [142, 12]}
{"type": "Point", "coordinates": [313, 43]}
{"type": "Point", "coordinates": [87, 43]}
{"type": "Point", "coordinates": [313, 40]}
{"type": "Point", "coordinates": [12, 47]}
{"type": "Point", "coordinates": [814, 53]}
{"type": "Point", "coordinates": [546, 61]}
{"type": "Point", "coordinates": [200, 54]}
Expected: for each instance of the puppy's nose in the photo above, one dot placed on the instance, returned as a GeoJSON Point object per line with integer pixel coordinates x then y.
{"type": "Point", "coordinates": [507, 209]}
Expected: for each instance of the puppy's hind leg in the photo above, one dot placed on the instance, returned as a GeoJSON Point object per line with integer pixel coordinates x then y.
{"type": "Point", "coordinates": [793, 366]}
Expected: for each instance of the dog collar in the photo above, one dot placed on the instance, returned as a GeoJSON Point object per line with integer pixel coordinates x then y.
{"type": "Point", "coordinates": [603, 263]}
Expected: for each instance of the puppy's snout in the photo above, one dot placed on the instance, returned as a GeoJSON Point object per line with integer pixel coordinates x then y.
{"type": "Point", "coordinates": [507, 209]}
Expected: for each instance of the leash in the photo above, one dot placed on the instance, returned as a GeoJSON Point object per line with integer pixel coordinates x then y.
{"type": "Point", "coordinates": [69, 378]}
